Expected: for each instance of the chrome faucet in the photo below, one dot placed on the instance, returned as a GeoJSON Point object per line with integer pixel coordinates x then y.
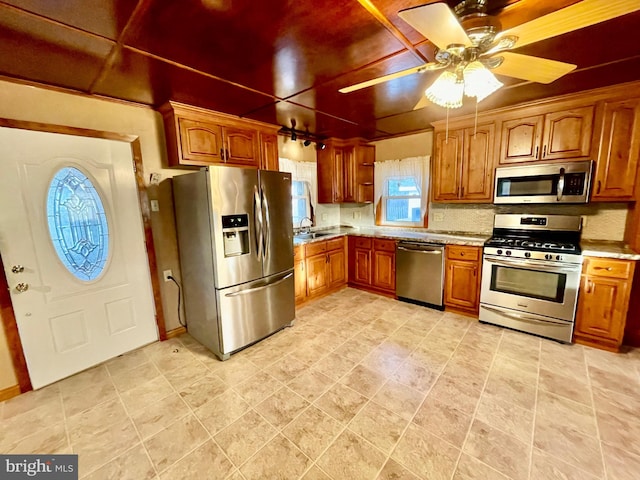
{"type": "Point", "coordinates": [306, 229]}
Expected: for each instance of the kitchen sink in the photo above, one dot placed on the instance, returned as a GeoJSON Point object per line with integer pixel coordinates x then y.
{"type": "Point", "coordinates": [311, 235]}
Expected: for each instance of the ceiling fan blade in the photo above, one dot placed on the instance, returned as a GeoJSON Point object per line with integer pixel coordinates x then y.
{"type": "Point", "coordinates": [568, 19]}
{"type": "Point", "coordinates": [535, 69]}
{"type": "Point", "coordinates": [438, 23]}
{"type": "Point", "coordinates": [423, 102]}
{"type": "Point", "coordinates": [391, 76]}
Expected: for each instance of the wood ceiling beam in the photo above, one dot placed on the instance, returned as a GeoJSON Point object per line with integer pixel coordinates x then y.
{"type": "Point", "coordinates": [386, 23]}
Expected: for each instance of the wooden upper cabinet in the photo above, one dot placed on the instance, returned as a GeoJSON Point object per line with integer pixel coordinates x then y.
{"type": "Point", "coordinates": [269, 151]}
{"type": "Point", "coordinates": [447, 164]}
{"type": "Point", "coordinates": [200, 142]}
{"type": "Point", "coordinates": [521, 139]}
{"type": "Point", "coordinates": [201, 137]}
{"type": "Point", "coordinates": [463, 167]}
{"type": "Point", "coordinates": [618, 150]}
{"type": "Point", "coordinates": [478, 163]}
{"type": "Point", "coordinates": [345, 172]}
{"type": "Point", "coordinates": [556, 135]}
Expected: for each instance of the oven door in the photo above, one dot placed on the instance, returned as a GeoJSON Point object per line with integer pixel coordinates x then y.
{"type": "Point", "coordinates": [533, 286]}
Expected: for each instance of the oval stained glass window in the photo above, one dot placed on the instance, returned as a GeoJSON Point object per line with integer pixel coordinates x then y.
{"type": "Point", "coordinates": [77, 223]}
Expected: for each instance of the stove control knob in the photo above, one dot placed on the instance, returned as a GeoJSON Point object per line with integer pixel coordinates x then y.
{"type": "Point", "coordinates": [558, 257]}
{"type": "Point", "coordinates": [548, 257]}
{"type": "Point", "coordinates": [499, 252]}
{"type": "Point", "coordinates": [508, 252]}
{"type": "Point", "coordinates": [527, 254]}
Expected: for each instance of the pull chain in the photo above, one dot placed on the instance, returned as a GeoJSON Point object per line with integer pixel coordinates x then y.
{"type": "Point", "coordinates": [475, 122]}
{"type": "Point", "coordinates": [446, 132]}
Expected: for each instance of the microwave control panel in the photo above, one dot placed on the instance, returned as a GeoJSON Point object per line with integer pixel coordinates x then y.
{"type": "Point", "coordinates": [574, 184]}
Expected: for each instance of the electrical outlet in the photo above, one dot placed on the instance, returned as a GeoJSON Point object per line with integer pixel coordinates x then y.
{"type": "Point", "coordinates": [155, 207]}
{"type": "Point", "coordinates": [438, 217]}
{"type": "Point", "coordinates": [324, 217]}
{"type": "Point", "coordinates": [584, 220]}
{"type": "Point", "coordinates": [166, 274]}
{"type": "Point", "coordinates": [357, 215]}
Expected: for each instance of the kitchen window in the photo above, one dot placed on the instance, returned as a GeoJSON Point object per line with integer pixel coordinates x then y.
{"type": "Point", "coordinates": [303, 188]}
{"type": "Point", "coordinates": [401, 198]}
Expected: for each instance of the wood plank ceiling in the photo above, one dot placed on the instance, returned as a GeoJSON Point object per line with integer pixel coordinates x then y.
{"type": "Point", "coordinates": [278, 60]}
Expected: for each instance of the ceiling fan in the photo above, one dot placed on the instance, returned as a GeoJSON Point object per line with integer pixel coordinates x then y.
{"type": "Point", "coordinates": [470, 46]}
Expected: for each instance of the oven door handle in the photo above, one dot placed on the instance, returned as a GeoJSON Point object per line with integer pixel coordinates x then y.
{"type": "Point", "coordinates": [535, 266]}
{"type": "Point", "coordinates": [524, 318]}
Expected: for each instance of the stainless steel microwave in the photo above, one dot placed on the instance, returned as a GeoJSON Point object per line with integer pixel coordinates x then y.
{"type": "Point", "coordinates": [549, 183]}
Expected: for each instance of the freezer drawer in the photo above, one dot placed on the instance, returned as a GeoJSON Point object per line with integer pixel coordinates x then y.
{"type": "Point", "coordinates": [420, 273]}
{"type": "Point", "coordinates": [253, 310]}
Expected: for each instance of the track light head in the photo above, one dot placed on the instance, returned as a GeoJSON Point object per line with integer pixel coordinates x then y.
{"type": "Point", "coordinates": [294, 136]}
{"type": "Point", "coordinates": [321, 146]}
{"type": "Point", "coordinates": [307, 142]}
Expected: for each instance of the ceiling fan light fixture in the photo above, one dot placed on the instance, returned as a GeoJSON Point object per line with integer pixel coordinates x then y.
{"type": "Point", "coordinates": [447, 90]}
{"type": "Point", "coordinates": [479, 82]}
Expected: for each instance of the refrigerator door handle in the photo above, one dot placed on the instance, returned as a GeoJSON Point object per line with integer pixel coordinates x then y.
{"type": "Point", "coordinates": [265, 217]}
{"type": "Point", "coordinates": [261, 287]}
{"type": "Point", "coordinates": [257, 222]}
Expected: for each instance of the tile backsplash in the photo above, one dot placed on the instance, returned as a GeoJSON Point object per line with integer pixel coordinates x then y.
{"type": "Point", "coordinates": [602, 221]}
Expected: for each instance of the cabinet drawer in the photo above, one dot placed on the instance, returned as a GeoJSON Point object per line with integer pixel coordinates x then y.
{"type": "Point", "coordinates": [362, 242]}
{"type": "Point", "coordinates": [315, 248]}
{"type": "Point", "coordinates": [298, 253]}
{"type": "Point", "coordinates": [605, 267]}
{"type": "Point", "coordinates": [384, 245]}
{"type": "Point", "coordinates": [458, 252]}
{"type": "Point", "coordinates": [335, 244]}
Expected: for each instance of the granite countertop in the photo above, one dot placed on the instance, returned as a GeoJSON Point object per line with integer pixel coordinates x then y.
{"type": "Point", "coordinates": [608, 249]}
{"type": "Point", "coordinates": [453, 238]}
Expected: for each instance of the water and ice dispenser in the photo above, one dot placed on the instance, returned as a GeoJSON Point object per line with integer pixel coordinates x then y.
{"type": "Point", "coordinates": [235, 234]}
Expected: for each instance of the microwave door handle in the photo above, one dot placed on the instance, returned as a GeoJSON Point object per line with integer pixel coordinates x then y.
{"type": "Point", "coordinates": [560, 188]}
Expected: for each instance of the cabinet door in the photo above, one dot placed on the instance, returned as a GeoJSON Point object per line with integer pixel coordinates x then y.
{"type": "Point", "coordinates": [241, 146]}
{"type": "Point", "coordinates": [338, 174]}
{"type": "Point", "coordinates": [362, 266]}
{"type": "Point", "coordinates": [350, 169]}
{"type": "Point", "coordinates": [300, 280]}
{"type": "Point", "coordinates": [602, 308]}
{"type": "Point", "coordinates": [200, 142]}
{"type": "Point", "coordinates": [446, 167]}
{"type": "Point", "coordinates": [269, 151]}
{"type": "Point", "coordinates": [461, 284]}
{"type": "Point", "coordinates": [336, 270]}
{"type": "Point", "coordinates": [567, 134]}
{"type": "Point", "coordinates": [618, 151]}
{"type": "Point", "coordinates": [478, 163]}
{"type": "Point", "coordinates": [520, 139]}
{"type": "Point", "coordinates": [316, 274]}
{"type": "Point", "coordinates": [384, 270]}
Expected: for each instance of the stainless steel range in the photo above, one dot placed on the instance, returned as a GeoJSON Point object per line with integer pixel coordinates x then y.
{"type": "Point", "coordinates": [531, 274]}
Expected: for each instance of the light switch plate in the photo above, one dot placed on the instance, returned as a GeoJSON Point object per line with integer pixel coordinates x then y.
{"type": "Point", "coordinates": [155, 207]}
{"type": "Point", "coordinates": [438, 217]}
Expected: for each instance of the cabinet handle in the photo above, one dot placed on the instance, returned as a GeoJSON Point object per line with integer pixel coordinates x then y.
{"type": "Point", "coordinates": [598, 187]}
{"type": "Point", "coordinates": [222, 154]}
{"type": "Point", "coordinates": [544, 151]}
{"type": "Point", "coordinates": [608, 269]}
{"type": "Point", "coordinates": [537, 148]}
{"type": "Point", "coordinates": [462, 192]}
{"type": "Point", "coordinates": [588, 289]}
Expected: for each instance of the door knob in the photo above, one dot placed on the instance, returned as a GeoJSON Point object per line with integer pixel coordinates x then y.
{"type": "Point", "coordinates": [17, 269]}
{"type": "Point", "coordinates": [22, 287]}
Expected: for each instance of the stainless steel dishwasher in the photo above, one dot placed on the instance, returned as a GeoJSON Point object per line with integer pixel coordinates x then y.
{"type": "Point", "coordinates": [420, 273]}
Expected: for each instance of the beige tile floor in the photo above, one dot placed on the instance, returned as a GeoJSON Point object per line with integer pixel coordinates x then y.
{"type": "Point", "coordinates": [362, 387]}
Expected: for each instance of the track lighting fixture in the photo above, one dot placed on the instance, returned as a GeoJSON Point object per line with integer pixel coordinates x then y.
{"type": "Point", "coordinates": [306, 137]}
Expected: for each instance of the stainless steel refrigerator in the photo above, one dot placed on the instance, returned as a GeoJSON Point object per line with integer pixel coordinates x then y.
{"type": "Point", "coordinates": [235, 237]}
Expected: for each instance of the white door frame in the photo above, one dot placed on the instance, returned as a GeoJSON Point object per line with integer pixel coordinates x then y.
{"type": "Point", "coordinates": [8, 315]}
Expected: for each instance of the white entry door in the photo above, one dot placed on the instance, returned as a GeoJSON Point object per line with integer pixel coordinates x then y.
{"type": "Point", "coordinates": [72, 244]}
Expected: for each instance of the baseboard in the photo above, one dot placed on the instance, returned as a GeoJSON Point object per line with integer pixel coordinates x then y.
{"type": "Point", "coordinates": [9, 392]}
{"type": "Point", "coordinates": [176, 332]}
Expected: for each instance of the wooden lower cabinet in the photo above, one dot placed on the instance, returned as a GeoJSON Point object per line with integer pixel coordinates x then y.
{"type": "Point", "coordinates": [372, 264]}
{"type": "Point", "coordinates": [463, 267]}
{"type": "Point", "coordinates": [319, 268]}
{"type": "Point", "coordinates": [603, 303]}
